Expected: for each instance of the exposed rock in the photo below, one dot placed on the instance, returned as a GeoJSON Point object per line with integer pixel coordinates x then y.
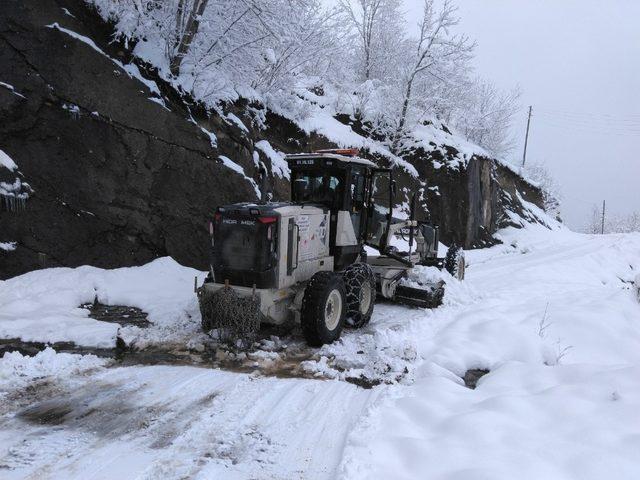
{"type": "Point", "coordinates": [472, 376]}
{"type": "Point", "coordinates": [468, 200]}
{"type": "Point", "coordinates": [118, 179]}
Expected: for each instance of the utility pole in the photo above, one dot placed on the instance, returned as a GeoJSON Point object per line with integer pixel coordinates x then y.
{"type": "Point", "coordinates": [602, 229]}
{"type": "Point", "coordinates": [526, 138]}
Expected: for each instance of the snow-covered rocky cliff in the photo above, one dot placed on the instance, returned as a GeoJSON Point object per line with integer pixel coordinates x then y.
{"type": "Point", "coordinates": [115, 166]}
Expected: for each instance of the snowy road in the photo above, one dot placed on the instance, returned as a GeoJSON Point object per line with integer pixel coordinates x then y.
{"type": "Point", "coordinates": [181, 422]}
{"type": "Point", "coordinates": [552, 315]}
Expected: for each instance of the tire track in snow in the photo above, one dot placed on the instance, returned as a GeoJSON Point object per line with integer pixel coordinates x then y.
{"type": "Point", "coordinates": [176, 422]}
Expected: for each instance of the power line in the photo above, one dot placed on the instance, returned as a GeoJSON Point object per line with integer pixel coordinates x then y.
{"type": "Point", "coordinates": [628, 116]}
{"type": "Point", "coordinates": [596, 124]}
{"type": "Point", "coordinates": [588, 121]}
{"type": "Point", "coordinates": [604, 130]}
{"type": "Point", "coordinates": [594, 130]}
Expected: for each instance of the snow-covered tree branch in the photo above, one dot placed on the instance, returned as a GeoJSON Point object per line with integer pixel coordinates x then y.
{"type": "Point", "coordinates": [612, 223]}
{"type": "Point", "coordinates": [437, 48]}
{"type": "Point", "coordinates": [487, 115]}
{"type": "Point", "coordinates": [551, 190]}
{"type": "Point", "coordinates": [379, 70]}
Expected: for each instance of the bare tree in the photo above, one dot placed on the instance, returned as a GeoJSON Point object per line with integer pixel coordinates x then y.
{"type": "Point", "coordinates": [307, 42]}
{"type": "Point", "coordinates": [594, 225]}
{"type": "Point", "coordinates": [613, 223]}
{"type": "Point", "coordinates": [188, 17]}
{"type": "Point", "coordinates": [551, 190]}
{"type": "Point", "coordinates": [487, 116]}
{"type": "Point", "coordinates": [364, 19]}
{"type": "Point", "coordinates": [435, 47]}
{"type": "Point", "coordinates": [378, 25]}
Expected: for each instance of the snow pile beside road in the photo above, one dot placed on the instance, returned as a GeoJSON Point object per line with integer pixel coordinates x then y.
{"type": "Point", "coordinates": [44, 305]}
{"type": "Point", "coordinates": [17, 370]}
{"type": "Point", "coordinates": [455, 291]}
{"type": "Point", "coordinates": [370, 356]}
{"type": "Point", "coordinates": [526, 422]}
{"type": "Point", "coordinates": [419, 276]}
{"type": "Point", "coordinates": [557, 325]}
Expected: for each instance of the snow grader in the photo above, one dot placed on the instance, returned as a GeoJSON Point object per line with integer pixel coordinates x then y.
{"type": "Point", "coordinates": [306, 260]}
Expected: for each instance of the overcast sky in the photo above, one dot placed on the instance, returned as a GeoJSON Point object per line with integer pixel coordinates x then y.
{"type": "Point", "coordinates": [578, 64]}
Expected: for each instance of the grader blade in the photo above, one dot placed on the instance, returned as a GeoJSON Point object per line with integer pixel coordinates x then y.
{"type": "Point", "coordinates": [424, 297]}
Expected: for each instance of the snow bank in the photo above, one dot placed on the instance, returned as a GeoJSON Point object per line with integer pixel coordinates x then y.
{"type": "Point", "coordinates": [388, 349]}
{"type": "Point", "coordinates": [43, 305]}
{"type": "Point", "coordinates": [17, 370]}
{"type": "Point", "coordinates": [7, 162]}
{"type": "Point", "coordinates": [555, 320]}
{"type": "Point", "coordinates": [529, 423]}
{"type": "Point", "coordinates": [432, 137]}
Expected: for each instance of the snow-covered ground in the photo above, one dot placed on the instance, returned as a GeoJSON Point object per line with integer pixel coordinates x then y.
{"type": "Point", "coordinates": [552, 315]}
{"type": "Point", "coordinates": [556, 323]}
{"type": "Point", "coordinates": [44, 305]}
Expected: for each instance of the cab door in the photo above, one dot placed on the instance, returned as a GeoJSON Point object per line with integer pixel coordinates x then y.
{"type": "Point", "coordinates": [379, 209]}
{"type": "Point", "coordinates": [357, 199]}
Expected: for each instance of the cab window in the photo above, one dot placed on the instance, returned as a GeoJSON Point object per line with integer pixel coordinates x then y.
{"type": "Point", "coordinates": [317, 187]}
{"type": "Point", "coordinates": [379, 209]}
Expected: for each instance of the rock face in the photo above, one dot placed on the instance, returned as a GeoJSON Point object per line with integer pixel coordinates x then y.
{"type": "Point", "coordinates": [120, 170]}
{"type": "Point", "coordinates": [469, 201]}
{"type": "Point", "coordinates": [118, 179]}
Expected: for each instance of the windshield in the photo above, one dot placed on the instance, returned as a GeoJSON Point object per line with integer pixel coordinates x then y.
{"type": "Point", "coordinates": [317, 187]}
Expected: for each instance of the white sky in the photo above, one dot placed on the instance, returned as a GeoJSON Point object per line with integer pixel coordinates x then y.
{"type": "Point", "coordinates": [578, 64]}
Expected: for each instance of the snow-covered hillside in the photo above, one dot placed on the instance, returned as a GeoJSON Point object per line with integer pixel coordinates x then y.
{"type": "Point", "coordinates": [553, 317]}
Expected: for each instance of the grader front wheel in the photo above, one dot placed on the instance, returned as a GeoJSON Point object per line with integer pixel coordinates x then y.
{"type": "Point", "coordinates": [454, 262]}
{"type": "Point", "coordinates": [323, 308]}
{"type": "Point", "coordinates": [360, 283]}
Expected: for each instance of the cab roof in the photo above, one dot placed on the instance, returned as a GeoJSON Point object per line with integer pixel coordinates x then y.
{"type": "Point", "coordinates": [332, 154]}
